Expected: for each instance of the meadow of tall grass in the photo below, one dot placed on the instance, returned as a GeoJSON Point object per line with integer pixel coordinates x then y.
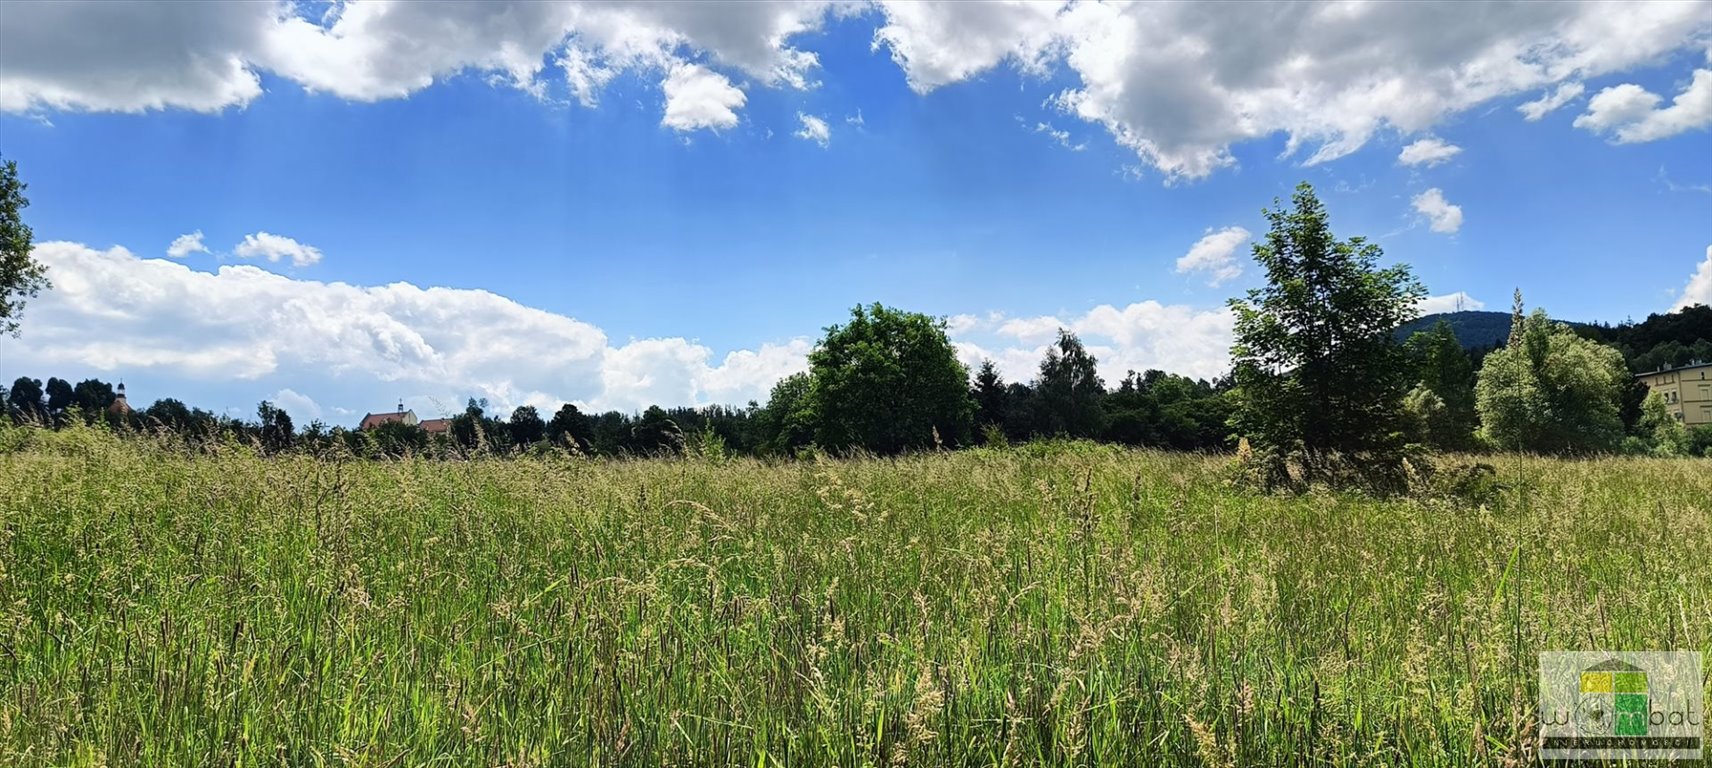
{"type": "Point", "coordinates": [1059, 605]}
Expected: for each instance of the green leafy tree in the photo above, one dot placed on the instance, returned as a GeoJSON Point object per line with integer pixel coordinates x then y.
{"type": "Point", "coordinates": [1660, 431]}
{"type": "Point", "coordinates": [787, 423]}
{"type": "Point", "coordinates": [1023, 412]}
{"type": "Point", "coordinates": [570, 427]}
{"type": "Point", "coordinates": [168, 413]}
{"type": "Point", "coordinates": [609, 433]}
{"type": "Point", "coordinates": [889, 381]}
{"type": "Point", "coordinates": [21, 277]}
{"type": "Point", "coordinates": [526, 426]}
{"type": "Point", "coordinates": [26, 401]}
{"type": "Point", "coordinates": [92, 396]}
{"type": "Point", "coordinates": [396, 438]}
{"type": "Point", "coordinates": [60, 396]}
{"type": "Point", "coordinates": [1319, 377]}
{"type": "Point", "coordinates": [656, 432]}
{"type": "Point", "coordinates": [1070, 389]}
{"type": "Point", "coordinates": [1443, 369]}
{"type": "Point", "coordinates": [470, 429]}
{"type": "Point", "coordinates": [277, 431]}
{"type": "Point", "coordinates": [1551, 391]}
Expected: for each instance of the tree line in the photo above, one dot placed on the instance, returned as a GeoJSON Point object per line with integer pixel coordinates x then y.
{"type": "Point", "coordinates": [855, 396]}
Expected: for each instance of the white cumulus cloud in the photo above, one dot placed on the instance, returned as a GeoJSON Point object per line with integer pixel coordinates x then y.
{"type": "Point", "coordinates": [1171, 337]}
{"type": "Point", "coordinates": [1631, 114]}
{"type": "Point", "coordinates": [1429, 152]}
{"type": "Point", "coordinates": [1699, 288]}
{"type": "Point", "coordinates": [301, 407]}
{"type": "Point", "coordinates": [184, 245]}
{"type": "Point", "coordinates": [1180, 83]}
{"type": "Point", "coordinates": [937, 44]}
{"type": "Point", "coordinates": [1215, 255]}
{"type": "Point", "coordinates": [697, 97]}
{"type": "Point", "coordinates": [112, 311]}
{"type": "Point", "coordinates": [814, 129]}
{"type": "Point", "coordinates": [1038, 329]}
{"type": "Point", "coordinates": [264, 245]}
{"type": "Point", "coordinates": [1441, 215]}
{"type": "Point", "coordinates": [1544, 105]}
{"type": "Point", "coordinates": [162, 54]}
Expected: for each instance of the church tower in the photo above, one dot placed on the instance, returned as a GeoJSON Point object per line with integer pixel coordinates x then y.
{"type": "Point", "coordinates": [119, 407]}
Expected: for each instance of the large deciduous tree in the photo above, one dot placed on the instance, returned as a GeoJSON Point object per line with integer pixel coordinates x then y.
{"type": "Point", "coordinates": [277, 431]}
{"type": "Point", "coordinates": [1320, 378]}
{"type": "Point", "coordinates": [1070, 389]}
{"type": "Point", "coordinates": [21, 277]}
{"type": "Point", "coordinates": [787, 423]}
{"type": "Point", "coordinates": [570, 427]}
{"type": "Point", "coordinates": [60, 396]}
{"type": "Point", "coordinates": [526, 426]}
{"type": "Point", "coordinates": [92, 397]}
{"type": "Point", "coordinates": [889, 381]}
{"type": "Point", "coordinates": [1551, 391]}
{"type": "Point", "coordinates": [26, 401]}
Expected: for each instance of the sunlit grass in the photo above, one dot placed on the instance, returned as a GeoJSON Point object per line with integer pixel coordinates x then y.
{"type": "Point", "coordinates": [1076, 605]}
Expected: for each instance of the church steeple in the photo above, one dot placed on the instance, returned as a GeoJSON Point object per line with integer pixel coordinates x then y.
{"type": "Point", "coordinates": [119, 407]}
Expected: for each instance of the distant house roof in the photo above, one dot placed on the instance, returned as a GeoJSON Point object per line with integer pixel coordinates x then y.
{"type": "Point", "coordinates": [372, 420]}
{"type": "Point", "coordinates": [436, 426]}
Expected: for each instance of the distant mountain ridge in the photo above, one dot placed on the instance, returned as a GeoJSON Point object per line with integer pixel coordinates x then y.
{"type": "Point", "coordinates": [1669, 339]}
{"type": "Point", "coordinates": [1474, 329]}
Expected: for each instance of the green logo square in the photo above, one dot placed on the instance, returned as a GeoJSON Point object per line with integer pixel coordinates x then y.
{"type": "Point", "coordinates": [1631, 714]}
{"type": "Point", "coordinates": [1629, 682]}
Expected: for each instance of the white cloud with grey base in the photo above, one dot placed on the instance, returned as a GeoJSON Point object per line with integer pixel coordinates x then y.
{"type": "Point", "coordinates": [1177, 84]}
{"type": "Point", "coordinates": [1180, 83]}
{"type": "Point", "coordinates": [132, 57]}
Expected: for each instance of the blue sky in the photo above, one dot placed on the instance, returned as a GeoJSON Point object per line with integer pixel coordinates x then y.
{"type": "Point", "coordinates": [673, 231]}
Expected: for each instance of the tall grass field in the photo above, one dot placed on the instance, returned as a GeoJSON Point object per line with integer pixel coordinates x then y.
{"type": "Point", "coordinates": [1063, 605]}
